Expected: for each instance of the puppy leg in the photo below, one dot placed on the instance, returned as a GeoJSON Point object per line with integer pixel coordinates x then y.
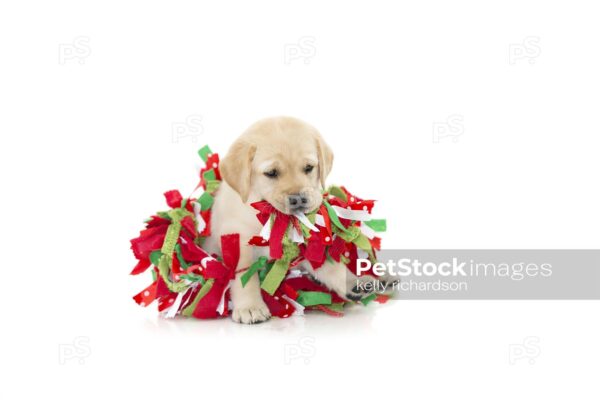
{"type": "Point", "coordinates": [337, 277]}
{"type": "Point", "coordinates": [248, 305]}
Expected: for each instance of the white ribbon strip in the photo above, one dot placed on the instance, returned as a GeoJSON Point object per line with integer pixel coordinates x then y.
{"type": "Point", "coordinates": [294, 273]}
{"type": "Point", "coordinates": [190, 298]}
{"type": "Point", "coordinates": [355, 215]}
{"type": "Point", "coordinates": [221, 306]}
{"type": "Point", "coordinates": [205, 260]}
{"type": "Point", "coordinates": [367, 230]}
{"type": "Point", "coordinates": [265, 232]}
{"type": "Point", "coordinates": [172, 311]}
{"type": "Point", "coordinates": [319, 220]}
{"type": "Point", "coordinates": [362, 254]}
{"type": "Point", "coordinates": [198, 191]}
{"type": "Point", "coordinates": [296, 236]}
{"type": "Point", "coordinates": [304, 219]}
{"type": "Point", "coordinates": [298, 308]}
{"type": "Point", "coordinates": [201, 223]}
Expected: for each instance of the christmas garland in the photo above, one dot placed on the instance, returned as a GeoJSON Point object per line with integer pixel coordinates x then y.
{"type": "Point", "coordinates": [188, 281]}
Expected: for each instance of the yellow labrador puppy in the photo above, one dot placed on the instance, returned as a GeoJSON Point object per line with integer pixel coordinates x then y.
{"type": "Point", "coordinates": [284, 161]}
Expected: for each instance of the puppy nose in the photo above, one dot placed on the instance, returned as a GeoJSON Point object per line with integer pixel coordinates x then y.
{"type": "Point", "coordinates": [296, 201]}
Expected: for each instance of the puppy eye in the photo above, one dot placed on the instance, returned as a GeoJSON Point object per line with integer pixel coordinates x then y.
{"type": "Point", "coordinates": [272, 173]}
{"type": "Point", "coordinates": [308, 169]}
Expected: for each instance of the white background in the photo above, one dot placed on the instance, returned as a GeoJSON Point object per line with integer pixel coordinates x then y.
{"type": "Point", "coordinates": [88, 147]}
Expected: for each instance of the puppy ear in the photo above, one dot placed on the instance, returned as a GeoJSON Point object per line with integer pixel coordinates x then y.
{"type": "Point", "coordinates": [236, 167]}
{"type": "Point", "coordinates": [325, 159]}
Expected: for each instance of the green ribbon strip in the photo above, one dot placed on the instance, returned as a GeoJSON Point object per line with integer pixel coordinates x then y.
{"type": "Point", "coordinates": [305, 230]}
{"type": "Point", "coordinates": [281, 266]}
{"type": "Point", "coordinates": [212, 186]}
{"type": "Point", "coordinates": [257, 265]}
{"type": "Point", "coordinates": [333, 216]}
{"type": "Point", "coordinates": [176, 215]}
{"type": "Point", "coordinates": [275, 276]}
{"type": "Point", "coordinates": [204, 153]}
{"type": "Point", "coordinates": [378, 225]}
{"type": "Point", "coordinates": [209, 175]}
{"type": "Point", "coordinates": [354, 235]}
{"type": "Point", "coordinates": [164, 215]}
{"type": "Point", "coordinates": [369, 299]}
{"type": "Point", "coordinates": [263, 272]}
{"type": "Point", "coordinates": [164, 269]}
{"type": "Point", "coordinates": [192, 277]}
{"type": "Point", "coordinates": [165, 263]}
{"type": "Point", "coordinates": [313, 298]}
{"type": "Point", "coordinates": [203, 290]}
{"type": "Point", "coordinates": [350, 234]}
{"type": "Point", "coordinates": [155, 257]}
{"type": "Point", "coordinates": [182, 262]}
{"type": "Point", "coordinates": [336, 307]}
{"type": "Point", "coordinates": [362, 242]}
{"type": "Point", "coordinates": [206, 201]}
{"type": "Point", "coordinates": [336, 191]}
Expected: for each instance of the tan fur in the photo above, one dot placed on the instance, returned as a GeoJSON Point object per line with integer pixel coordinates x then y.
{"type": "Point", "coordinates": [288, 145]}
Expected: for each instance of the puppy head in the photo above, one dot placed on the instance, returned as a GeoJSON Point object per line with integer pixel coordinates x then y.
{"type": "Point", "coordinates": [281, 160]}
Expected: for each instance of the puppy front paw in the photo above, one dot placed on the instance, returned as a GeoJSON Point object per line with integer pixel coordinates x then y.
{"type": "Point", "coordinates": [366, 285]}
{"type": "Point", "coordinates": [358, 288]}
{"type": "Point", "coordinates": [252, 314]}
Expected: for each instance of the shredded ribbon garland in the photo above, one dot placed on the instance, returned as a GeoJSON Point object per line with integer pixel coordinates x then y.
{"type": "Point", "coordinates": [188, 281]}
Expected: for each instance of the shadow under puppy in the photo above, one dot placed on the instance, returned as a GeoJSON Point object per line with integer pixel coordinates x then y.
{"type": "Point", "coordinates": [284, 161]}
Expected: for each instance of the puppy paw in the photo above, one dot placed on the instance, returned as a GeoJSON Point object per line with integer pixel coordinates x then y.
{"type": "Point", "coordinates": [364, 286]}
{"type": "Point", "coordinates": [252, 314]}
{"type": "Point", "coordinates": [360, 287]}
